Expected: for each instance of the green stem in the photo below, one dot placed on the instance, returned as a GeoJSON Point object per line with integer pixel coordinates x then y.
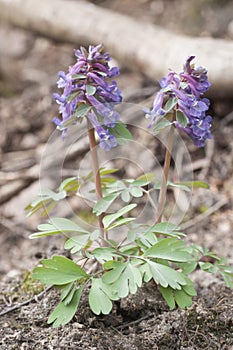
{"type": "Point", "coordinates": [96, 173]}
{"type": "Point", "coordinates": [166, 167]}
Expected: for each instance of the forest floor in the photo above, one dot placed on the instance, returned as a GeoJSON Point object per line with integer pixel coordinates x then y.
{"type": "Point", "coordinates": [32, 155]}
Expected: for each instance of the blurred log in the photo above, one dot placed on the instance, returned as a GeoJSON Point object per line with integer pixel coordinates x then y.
{"type": "Point", "coordinates": [137, 44]}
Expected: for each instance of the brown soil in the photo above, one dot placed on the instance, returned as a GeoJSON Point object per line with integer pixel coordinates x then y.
{"type": "Point", "coordinates": [28, 70]}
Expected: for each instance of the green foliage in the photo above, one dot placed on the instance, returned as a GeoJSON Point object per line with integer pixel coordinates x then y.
{"type": "Point", "coordinates": [123, 277]}
{"type": "Point", "coordinates": [76, 243]}
{"type": "Point", "coordinates": [108, 220]}
{"type": "Point", "coordinates": [182, 297]}
{"type": "Point", "coordinates": [181, 118]}
{"type": "Point", "coordinates": [90, 90]}
{"type": "Point", "coordinates": [154, 252]}
{"type": "Point", "coordinates": [82, 110]}
{"type": "Point", "coordinates": [56, 226]}
{"type": "Point", "coordinates": [171, 249]}
{"type": "Point", "coordinates": [160, 125]}
{"type": "Point", "coordinates": [126, 189]}
{"type": "Point", "coordinates": [170, 104]}
{"type": "Point", "coordinates": [64, 312]}
{"type": "Point", "coordinates": [47, 198]}
{"type": "Point", "coordinates": [121, 133]}
{"type": "Point", "coordinates": [58, 271]}
{"type": "Point", "coordinates": [100, 297]}
{"type": "Point", "coordinates": [195, 184]}
{"type": "Point", "coordinates": [162, 275]}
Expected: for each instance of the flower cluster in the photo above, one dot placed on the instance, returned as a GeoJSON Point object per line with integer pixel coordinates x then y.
{"type": "Point", "coordinates": [88, 93]}
{"type": "Point", "coordinates": [186, 90]}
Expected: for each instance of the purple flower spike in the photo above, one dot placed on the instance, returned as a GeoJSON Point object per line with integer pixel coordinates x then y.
{"type": "Point", "coordinates": [188, 88]}
{"type": "Point", "coordinates": [87, 91]}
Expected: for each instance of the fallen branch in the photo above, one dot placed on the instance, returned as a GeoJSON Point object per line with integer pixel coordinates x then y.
{"type": "Point", "coordinates": [138, 44]}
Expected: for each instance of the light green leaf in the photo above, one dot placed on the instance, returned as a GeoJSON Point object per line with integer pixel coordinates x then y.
{"type": "Point", "coordinates": [47, 193]}
{"type": "Point", "coordinates": [170, 104]}
{"type": "Point", "coordinates": [197, 184]}
{"type": "Point", "coordinates": [121, 133]}
{"type": "Point", "coordinates": [58, 270]}
{"type": "Point", "coordinates": [120, 222]}
{"type": "Point", "coordinates": [178, 185]}
{"type": "Point", "coordinates": [116, 186]}
{"type": "Point", "coordinates": [82, 110]}
{"type": "Point", "coordinates": [168, 296]}
{"type": "Point", "coordinates": [144, 179]}
{"type": "Point", "coordinates": [99, 301]}
{"type": "Point", "coordinates": [78, 76]}
{"type": "Point", "coordinates": [109, 219]}
{"type": "Point", "coordinates": [70, 184]}
{"type": "Point", "coordinates": [75, 244]}
{"type": "Point", "coordinates": [72, 96]}
{"type": "Point", "coordinates": [94, 235]}
{"type": "Point", "coordinates": [165, 227]}
{"type": "Point", "coordinates": [166, 276]}
{"type": "Point", "coordinates": [136, 191]}
{"type": "Point", "coordinates": [66, 123]}
{"type": "Point", "coordinates": [147, 239]}
{"type": "Point", "coordinates": [104, 203]}
{"type": "Point", "coordinates": [57, 226]}
{"type": "Point", "coordinates": [125, 196]}
{"type": "Point", "coordinates": [181, 118]}
{"type": "Point", "coordinates": [65, 289]}
{"type": "Point", "coordinates": [63, 314]}
{"type": "Point", "coordinates": [117, 267]}
{"type": "Point", "coordinates": [67, 300]}
{"type": "Point", "coordinates": [103, 254]}
{"type": "Point", "coordinates": [91, 90]}
{"type": "Point", "coordinates": [187, 267]}
{"type": "Point", "coordinates": [104, 171]}
{"type": "Point", "coordinates": [146, 272]}
{"type": "Point", "coordinates": [36, 205]}
{"type": "Point", "coordinates": [189, 288]}
{"type": "Point", "coordinates": [160, 125]}
{"type": "Point", "coordinates": [182, 299]}
{"type": "Point", "coordinates": [125, 279]}
{"type": "Point", "coordinates": [171, 249]}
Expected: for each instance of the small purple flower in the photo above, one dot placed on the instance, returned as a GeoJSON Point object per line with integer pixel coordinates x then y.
{"type": "Point", "coordinates": [87, 84]}
{"type": "Point", "coordinates": [187, 88]}
{"type": "Point", "coordinates": [157, 110]}
{"type": "Point", "coordinates": [107, 141]}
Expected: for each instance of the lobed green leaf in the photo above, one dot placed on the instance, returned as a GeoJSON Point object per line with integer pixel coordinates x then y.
{"type": "Point", "coordinates": [171, 249]}
{"type": "Point", "coordinates": [58, 270]}
{"type": "Point", "coordinates": [99, 301]}
{"type": "Point", "coordinates": [109, 219]}
{"type": "Point", "coordinates": [63, 313]}
{"type": "Point", "coordinates": [163, 275]}
{"type": "Point", "coordinates": [104, 203]}
{"type": "Point", "coordinates": [57, 226]}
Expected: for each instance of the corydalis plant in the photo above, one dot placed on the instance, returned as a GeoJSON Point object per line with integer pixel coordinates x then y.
{"type": "Point", "coordinates": [180, 104]}
{"type": "Point", "coordinates": [147, 252]}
